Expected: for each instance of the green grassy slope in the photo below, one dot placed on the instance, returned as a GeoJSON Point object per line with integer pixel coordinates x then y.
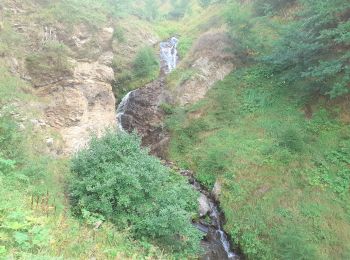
{"type": "Point", "coordinates": [35, 217]}
{"type": "Point", "coordinates": [285, 177]}
{"type": "Point", "coordinates": [271, 135]}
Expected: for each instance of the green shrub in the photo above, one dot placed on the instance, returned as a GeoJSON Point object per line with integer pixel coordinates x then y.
{"type": "Point", "coordinates": [213, 166]}
{"type": "Point", "coordinates": [292, 140]}
{"type": "Point", "coordinates": [168, 109]}
{"type": "Point", "coordinates": [10, 140]}
{"type": "Point", "coordinates": [241, 29]}
{"type": "Point", "coordinates": [119, 35]}
{"type": "Point", "coordinates": [315, 48]}
{"type": "Point", "coordinates": [179, 9]}
{"type": "Point", "coordinates": [265, 7]}
{"type": "Point", "coordinates": [118, 180]}
{"type": "Point", "coordinates": [145, 62]}
{"type": "Point", "coordinates": [292, 243]}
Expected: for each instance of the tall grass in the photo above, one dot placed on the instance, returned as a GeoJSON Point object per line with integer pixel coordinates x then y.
{"type": "Point", "coordinates": [285, 178]}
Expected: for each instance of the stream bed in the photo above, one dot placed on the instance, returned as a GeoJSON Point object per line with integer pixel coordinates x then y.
{"type": "Point", "coordinates": [139, 110]}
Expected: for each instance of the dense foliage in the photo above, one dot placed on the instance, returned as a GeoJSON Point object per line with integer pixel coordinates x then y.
{"type": "Point", "coordinates": [313, 46]}
{"type": "Point", "coordinates": [316, 47]}
{"type": "Point", "coordinates": [285, 178]}
{"type": "Point", "coordinates": [266, 7]}
{"type": "Point", "coordinates": [145, 62]}
{"type": "Point", "coordinates": [117, 180]}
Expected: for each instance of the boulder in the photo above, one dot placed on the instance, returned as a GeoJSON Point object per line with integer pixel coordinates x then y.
{"type": "Point", "coordinates": [204, 205]}
{"type": "Point", "coordinates": [216, 190]}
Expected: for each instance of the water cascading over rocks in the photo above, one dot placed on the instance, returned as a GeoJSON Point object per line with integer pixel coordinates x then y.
{"type": "Point", "coordinates": [168, 55]}
{"type": "Point", "coordinates": [140, 110]}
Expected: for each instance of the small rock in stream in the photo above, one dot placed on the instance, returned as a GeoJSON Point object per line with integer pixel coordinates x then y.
{"type": "Point", "coordinates": [204, 205]}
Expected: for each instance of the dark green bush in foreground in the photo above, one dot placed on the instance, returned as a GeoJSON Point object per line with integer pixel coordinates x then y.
{"type": "Point", "coordinates": [117, 180]}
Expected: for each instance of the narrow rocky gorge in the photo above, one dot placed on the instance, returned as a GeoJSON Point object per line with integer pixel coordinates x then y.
{"type": "Point", "coordinates": [140, 110]}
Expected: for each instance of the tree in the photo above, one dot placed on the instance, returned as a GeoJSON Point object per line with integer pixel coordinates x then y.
{"type": "Point", "coordinates": [118, 180]}
{"type": "Point", "coordinates": [315, 48]}
{"type": "Point", "coordinates": [145, 62]}
{"type": "Point", "coordinates": [265, 7]}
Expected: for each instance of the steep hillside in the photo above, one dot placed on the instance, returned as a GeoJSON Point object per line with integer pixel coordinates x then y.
{"type": "Point", "coordinates": [63, 66]}
{"type": "Point", "coordinates": [253, 128]}
{"type": "Point", "coordinates": [273, 136]}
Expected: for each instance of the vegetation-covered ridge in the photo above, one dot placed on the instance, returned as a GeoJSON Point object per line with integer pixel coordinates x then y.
{"type": "Point", "coordinates": [36, 215]}
{"type": "Point", "coordinates": [275, 134]}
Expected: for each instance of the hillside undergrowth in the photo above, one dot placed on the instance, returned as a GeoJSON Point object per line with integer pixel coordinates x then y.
{"type": "Point", "coordinates": [285, 177]}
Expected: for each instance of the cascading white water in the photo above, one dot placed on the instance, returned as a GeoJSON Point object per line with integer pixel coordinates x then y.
{"type": "Point", "coordinates": [121, 110]}
{"type": "Point", "coordinates": [215, 227]}
{"type": "Point", "coordinates": [215, 216]}
{"type": "Point", "coordinates": [168, 55]}
{"type": "Point", "coordinates": [216, 236]}
{"type": "Point", "coordinates": [168, 58]}
{"type": "Point", "coordinates": [223, 237]}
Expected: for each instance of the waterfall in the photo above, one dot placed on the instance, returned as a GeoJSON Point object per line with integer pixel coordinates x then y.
{"type": "Point", "coordinates": [168, 59]}
{"type": "Point", "coordinates": [121, 110]}
{"type": "Point", "coordinates": [218, 245]}
{"type": "Point", "coordinates": [215, 216]}
{"type": "Point", "coordinates": [168, 55]}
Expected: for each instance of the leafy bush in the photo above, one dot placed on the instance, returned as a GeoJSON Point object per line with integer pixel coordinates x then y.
{"type": "Point", "coordinates": [291, 140]}
{"type": "Point", "coordinates": [264, 7]}
{"type": "Point", "coordinates": [241, 29]}
{"type": "Point", "coordinates": [333, 171]}
{"type": "Point", "coordinates": [151, 10]}
{"type": "Point", "coordinates": [167, 108]}
{"type": "Point", "coordinates": [145, 62]}
{"type": "Point", "coordinates": [118, 180]}
{"type": "Point", "coordinates": [10, 140]}
{"type": "Point", "coordinates": [119, 34]}
{"type": "Point", "coordinates": [315, 48]}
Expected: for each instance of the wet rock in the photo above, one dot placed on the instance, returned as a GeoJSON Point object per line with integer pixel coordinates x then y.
{"type": "Point", "coordinates": [141, 111]}
{"type": "Point", "coordinates": [106, 36]}
{"type": "Point", "coordinates": [216, 190]}
{"type": "Point", "coordinates": [49, 142]}
{"type": "Point", "coordinates": [204, 206]}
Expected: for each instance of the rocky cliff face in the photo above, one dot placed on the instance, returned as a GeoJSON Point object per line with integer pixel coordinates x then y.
{"type": "Point", "coordinates": [74, 93]}
{"type": "Point", "coordinates": [211, 61]}
{"type": "Point", "coordinates": [82, 103]}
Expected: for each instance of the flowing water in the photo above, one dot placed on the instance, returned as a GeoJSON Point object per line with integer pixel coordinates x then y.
{"type": "Point", "coordinates": [121, 110]}
{"type": "Point", "coordinates": [168, 55]}
{"type": "Point", "coordinates": [216, 243]}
